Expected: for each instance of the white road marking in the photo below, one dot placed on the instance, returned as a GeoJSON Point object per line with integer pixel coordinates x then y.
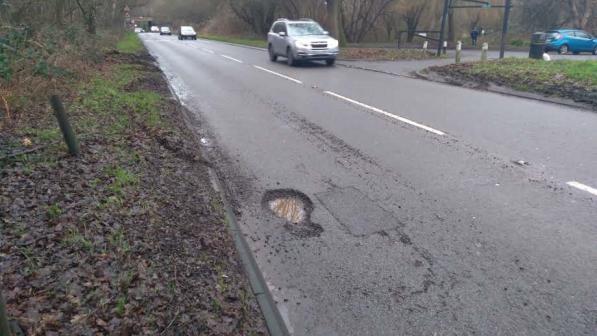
{"type": "Point", "coordinates": [209, 51]}
{"type": "Point", "coordinates": [582, 187]}
{"type": "Point", "coordinates": [232, 58]}
{"type": "Point", "coordinates": [278, 74]}
{"type": "Point", "coordinates": [387, 114]}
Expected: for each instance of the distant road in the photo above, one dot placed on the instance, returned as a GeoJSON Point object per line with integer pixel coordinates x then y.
{"type": "Point", "coordinates": [445, 211]}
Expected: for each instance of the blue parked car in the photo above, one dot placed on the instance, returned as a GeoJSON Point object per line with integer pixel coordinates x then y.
{"type": "Point", "coordinates": [570, 40]}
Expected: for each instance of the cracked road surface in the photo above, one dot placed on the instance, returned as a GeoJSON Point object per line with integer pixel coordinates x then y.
{"type": "Point", "coordinates": [430, 226]}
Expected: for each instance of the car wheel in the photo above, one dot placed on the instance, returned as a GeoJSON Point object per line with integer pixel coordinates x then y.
{"type": "Point", "coordinates": [563, 50]}
{"type": "Point", "coordinates": [595, 51]}
{"type": "Point", "coordinates": [330, 62]}
{"type": "Point", "coordinates": [272, 57]}
{"type": "Point", "coordinates": [290, 57]}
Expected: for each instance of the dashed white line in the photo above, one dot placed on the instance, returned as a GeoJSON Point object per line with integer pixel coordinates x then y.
{"type": "Point", "coordinates": [387, 114]}
{"type": "Point", "coordinates": [583, 187]}
{"type": "Point", "coordinates": [278, 74]}
{"type": "Point", "coordinates": [232, 58]}
{"type": "Point", "coordinates": [209, 50]}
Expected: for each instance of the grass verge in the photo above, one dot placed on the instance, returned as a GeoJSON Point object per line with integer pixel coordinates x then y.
{"type": "Point", "coordinates": [253, 42]}
{"type": "Point", "coordinates": [384, 54]}
{"type": "Point", "coordinates": [575, 80]}
{"type": "Point", "coordinates": [128, 237]}
{"type": "Point", "coordinates": [129, 44]}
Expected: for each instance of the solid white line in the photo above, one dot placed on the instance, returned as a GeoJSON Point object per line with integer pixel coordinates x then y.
{"type": "Point", "coordinates": [278, 74]}
{"type": "Point", "coordinates": [232, 58]}
{"type": "Point", "coordinates": [387, 114]}
{"type": "Point", "coordinates": [583, 187]}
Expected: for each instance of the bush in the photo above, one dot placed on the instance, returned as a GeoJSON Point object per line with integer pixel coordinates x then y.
{"type": "Point", "coordinates": [517, 43]}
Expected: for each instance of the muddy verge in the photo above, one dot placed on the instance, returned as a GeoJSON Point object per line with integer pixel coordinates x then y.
{"type": "Point", "coordinates": [127, 239]}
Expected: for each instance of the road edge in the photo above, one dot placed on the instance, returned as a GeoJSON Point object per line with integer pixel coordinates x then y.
{"type": "Point", "coordinates": [273, 319]}
{"type": "Point", "coordinates": [272, 316]}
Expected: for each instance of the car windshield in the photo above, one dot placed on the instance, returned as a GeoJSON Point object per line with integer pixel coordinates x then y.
{"type": "Point", "coordinates": [304, 28]}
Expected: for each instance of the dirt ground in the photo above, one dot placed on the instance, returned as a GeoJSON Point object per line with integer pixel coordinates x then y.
{"type": "Point", "coordinates": [127, 239]}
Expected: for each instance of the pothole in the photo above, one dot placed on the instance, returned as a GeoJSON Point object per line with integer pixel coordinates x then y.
{"type": "Point", "coordinates": [295, 209]}
{"type": "Point", "coordinates": [289, 208]}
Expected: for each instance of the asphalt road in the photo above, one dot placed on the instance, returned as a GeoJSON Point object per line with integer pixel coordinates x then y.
{"type": "Point", "coordinates": [429, 225]}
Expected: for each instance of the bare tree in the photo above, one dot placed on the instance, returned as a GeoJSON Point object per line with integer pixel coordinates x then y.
{"type": "Point", "coordinates": [580, 12]}
{"type": "Point", "coordinates": [389, 19]}
{"type": "Point", "coordinates": [545, 14]}
{"type": "Point", "coordinates": [258, 14]}
{"type": "Point", "coordinates": [412, 17]}
{"type": "Point", "coordinates": [359, 16]}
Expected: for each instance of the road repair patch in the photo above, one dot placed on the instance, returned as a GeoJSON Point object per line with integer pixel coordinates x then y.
{"type": "Point", "coordinates": [359, 214]}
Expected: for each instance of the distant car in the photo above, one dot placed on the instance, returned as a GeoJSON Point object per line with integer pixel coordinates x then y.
{"type": "Point", "coordinates": [139, 30]}
{"type": "Point", "coordinates": [299, 40]}
{"type": "Point", "coordinates": [155, 29]}
{"type": "Point", "coordinates": [165, 31]}
{"type": "Point", "coordinates": [574, 41]}
{"type": "Point", "coordinates": [187, 32]}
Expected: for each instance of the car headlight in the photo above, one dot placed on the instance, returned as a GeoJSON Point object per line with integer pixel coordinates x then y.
{"type": "Point", "coordinates": [301, 44]}
{"type": "Point", "coordinates": [333, 44]}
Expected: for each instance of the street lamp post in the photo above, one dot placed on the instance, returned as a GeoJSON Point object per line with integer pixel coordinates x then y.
{"type": "Point", "coordinates": [505, 27]}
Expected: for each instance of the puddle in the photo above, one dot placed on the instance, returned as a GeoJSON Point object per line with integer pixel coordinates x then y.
{"type": "Point", "coordinates": [295, 208]}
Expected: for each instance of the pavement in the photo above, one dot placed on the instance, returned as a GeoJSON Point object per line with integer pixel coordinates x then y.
{"type": "Point", "coordinates": [432, 209]}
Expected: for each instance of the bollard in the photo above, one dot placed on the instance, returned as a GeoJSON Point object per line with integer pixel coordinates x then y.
{"type": "Point", "coordinates": [67, 131]}
{"type": "Point", "coordinates": [425, 45]}
{"type": "Point", "coordinates": [445, 49]}
{"type": "Point", "coordinates": [484, 52]}
{"type": "Point", "coordinates": [458, 51]}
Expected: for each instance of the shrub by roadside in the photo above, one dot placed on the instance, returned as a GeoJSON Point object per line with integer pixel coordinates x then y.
{"type": "Point", "coordinates": [575, 80]}
{"type": "Point", "coordinates": [127, 239]}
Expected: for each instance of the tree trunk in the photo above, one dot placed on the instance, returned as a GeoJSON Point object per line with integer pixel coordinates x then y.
{"type": "Point", "coordinates": [333, 11]}
{"type": "Point", "coordinates": [59, 13]}
{"type": "Point", "coordinates": [451, 32]}
{"type": "Point", "coordinates": [90, 23]}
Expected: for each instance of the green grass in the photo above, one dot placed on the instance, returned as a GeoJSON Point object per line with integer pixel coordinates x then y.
{"type": "Point", "coordinates": [129, 44]}
{"type": "Point", "coordinates": [120, 308]}
{"type": "Point", "coordinates": [253, 42]}
{"type": "Point", "coordinates": [581, 72]}
{"type": "Point", "coordinates": [121, 178]}
{"type": "Point", "coordinates": [105, 96]}
{"type": "Point", "coordinates": [119, 241]}
{"type": "Point", "coordinates": [77, 240]}
{"type": "Point", "coordinates": [54, 211]}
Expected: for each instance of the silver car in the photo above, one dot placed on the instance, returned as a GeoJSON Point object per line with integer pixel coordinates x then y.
{"type": "Point", "coordinates": [299, 40]}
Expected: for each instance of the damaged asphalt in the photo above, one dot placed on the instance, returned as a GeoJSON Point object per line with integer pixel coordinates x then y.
{"type": "Point", "coordinates": [420, 233]}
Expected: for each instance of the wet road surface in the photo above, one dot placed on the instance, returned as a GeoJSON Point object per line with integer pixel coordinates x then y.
{"type": "Point", "coordinates": [432, 210]}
